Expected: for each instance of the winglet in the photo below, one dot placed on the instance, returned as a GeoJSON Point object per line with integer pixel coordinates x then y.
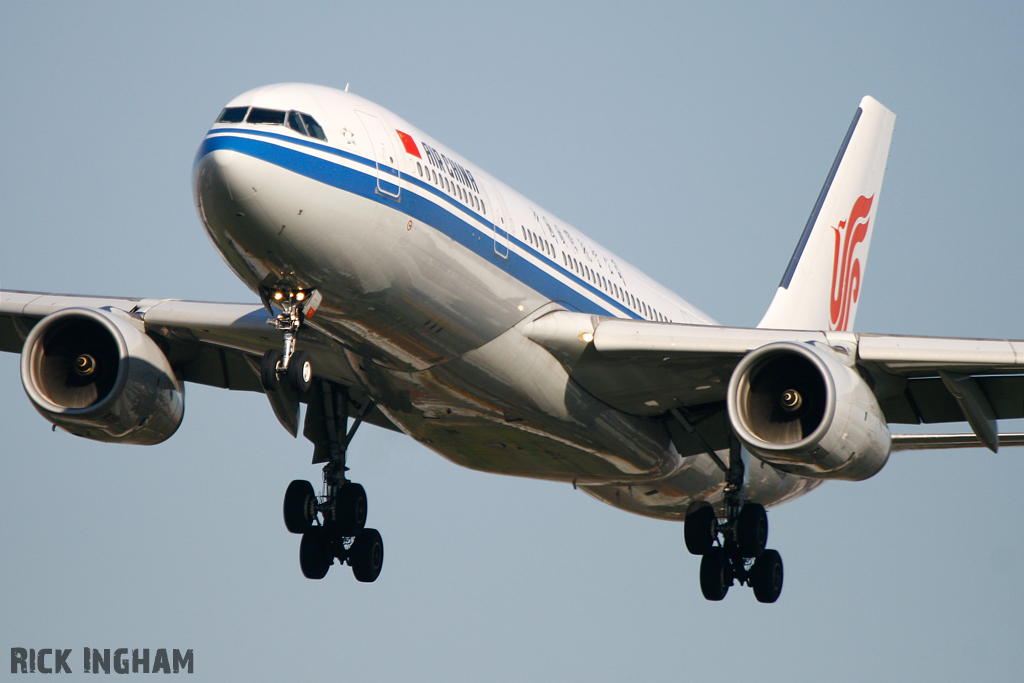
{"type": "Point", "coordinates": [821, 286]}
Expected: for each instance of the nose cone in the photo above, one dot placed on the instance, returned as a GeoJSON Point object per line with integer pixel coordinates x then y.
{"type": "Point", "coordinates": [221, 173]}
{"type": "Point", "coordinates": [227, 201]}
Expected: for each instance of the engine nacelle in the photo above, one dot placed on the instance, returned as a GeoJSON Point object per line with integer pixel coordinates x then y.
{"type": "Point", "coordinates": [801, 409]}
{"type": "Point", "coordinates": [95, 375]}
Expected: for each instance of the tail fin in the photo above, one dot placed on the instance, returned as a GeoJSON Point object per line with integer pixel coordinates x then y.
{"type": "Point", "coordinates": [822, 283]}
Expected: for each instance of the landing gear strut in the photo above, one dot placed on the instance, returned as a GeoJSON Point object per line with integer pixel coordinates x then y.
{"type": "Point", "coordinates": [295, 366]}
{"type": "Point", "coordinates": [733, 550]}
{"type": "Point", "coordinates": [333, 524]}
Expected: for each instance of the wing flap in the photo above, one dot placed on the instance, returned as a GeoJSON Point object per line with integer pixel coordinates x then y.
{"type": "Point", "coordinates": [928, 442]}
{"type": "Point", "coordinates": [912, 355]}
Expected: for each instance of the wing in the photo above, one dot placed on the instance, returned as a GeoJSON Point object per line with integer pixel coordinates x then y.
{"type": "Point", "coordinates": [216, 344]}
{"type": "Point", "coordinates": [651, 368]}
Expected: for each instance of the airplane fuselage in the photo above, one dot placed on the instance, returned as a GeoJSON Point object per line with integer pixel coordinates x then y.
{"type": "Point", "coordinates": [430, 270]}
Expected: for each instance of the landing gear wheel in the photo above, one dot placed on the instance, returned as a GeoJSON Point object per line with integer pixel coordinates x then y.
{"type": "Point", "coordinates": [315, 553]}
{"type": "Point", "coordinates": [700, 528]}
{"type": "Point", "coordinates": [766, 576]}
{"type": "Point", "coordinates": [268, 370]}
{"type": "Point", "coordinates": [715, 574]}
{"type": "Point", "coordinates": [299, 506]}
{"type": "Point", "coordinates": [752, 530]}
{"type": "Point", "coordinates": [367, 556]}
{"type": "Point", "coordinates": [300, 372]}
{"type": "Point", "coordinates": [350, 510]}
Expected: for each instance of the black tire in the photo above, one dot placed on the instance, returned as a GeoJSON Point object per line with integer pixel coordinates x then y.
{"type": "Point", "coordinates": [299, 506]}
{"type": "Point", "coordinates": [715, 574]}
{"type": "Point", "coordinates": [268, 370]}
{"type": "Point", "coordinates": [700, 528]}
{"type": "Point", "coordinates": [300, 372]}
{"type": "Point", "coordinates": [766, 576]}
{"type": "Point", "coordinates": [350, 510]}
{"type": "Point", "coordinates": [752, 530]}
{"type": "Point", "coordinates": [367, 556]}
{"type": "Point", "coordinates": [315, 556]}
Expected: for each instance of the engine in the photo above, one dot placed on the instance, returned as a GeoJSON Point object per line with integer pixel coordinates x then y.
{"type": "Point", "coordinates": [94, 374]}
{"type": "Point", "coordinates": [799, 408]}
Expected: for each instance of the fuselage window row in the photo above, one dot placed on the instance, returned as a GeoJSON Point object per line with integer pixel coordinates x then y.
{"type": "Point", "coordinates": [463, 195]}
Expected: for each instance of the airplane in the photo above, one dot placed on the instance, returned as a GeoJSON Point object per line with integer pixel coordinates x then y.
{"type": "Point", "coordinates": [402, 286]}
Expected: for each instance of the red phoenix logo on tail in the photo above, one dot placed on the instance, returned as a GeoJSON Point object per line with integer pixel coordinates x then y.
{"type": "Point", "coordinates": [845, 268]}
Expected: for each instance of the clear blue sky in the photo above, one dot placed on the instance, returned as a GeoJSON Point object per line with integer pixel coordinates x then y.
{"type": "Point", "coordinates": [692, 141]}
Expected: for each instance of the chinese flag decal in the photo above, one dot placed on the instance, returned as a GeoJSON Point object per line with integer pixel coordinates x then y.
{"type": "Point", "coordinates": [409, 144]}
{"type": "Point", "coordinates": [845, 268]}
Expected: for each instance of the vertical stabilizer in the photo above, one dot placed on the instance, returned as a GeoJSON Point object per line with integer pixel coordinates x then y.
{"type": "Point", "coordinates": [821, 287]}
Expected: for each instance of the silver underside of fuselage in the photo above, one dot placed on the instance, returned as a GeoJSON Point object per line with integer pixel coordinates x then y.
{"type": "Point", "coordinates": [432, 330]}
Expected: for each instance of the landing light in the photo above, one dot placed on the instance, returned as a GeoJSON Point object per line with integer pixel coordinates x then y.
{"type": "Point", "coordinates": [586, 337]}
{"type": "Point", "coordinates": [278, 296]}
{"type": "Point", "coordinates": [300, 296]}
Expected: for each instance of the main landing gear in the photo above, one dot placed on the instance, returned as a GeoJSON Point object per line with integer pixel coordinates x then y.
{"type": "Point", "coordinates": [333, 524]}
{"type": "Point", "coordinates": [733, 550]}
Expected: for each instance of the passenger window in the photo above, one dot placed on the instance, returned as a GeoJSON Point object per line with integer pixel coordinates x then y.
{"type": "Point", "coordinates": [313, 127]}
{"type": "Point", "coordinates": [265, 116]}
{"type": "Point", "coordinates": [296, 124]}
{"type": "Point", "coordinates": [483, 206]}
{"type": "Point", "coordinates": [232, 115]}
{"type": "Point", "coordinates": [419, 169]}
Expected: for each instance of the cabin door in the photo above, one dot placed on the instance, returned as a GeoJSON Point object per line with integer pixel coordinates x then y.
{"type": "Point", "coordinates": [388, 175]}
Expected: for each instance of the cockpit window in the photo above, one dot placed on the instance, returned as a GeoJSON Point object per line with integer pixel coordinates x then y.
{"type": "Point", "coordinates": [314, 128]}
{"type": "Point", "coordinates": [232, 115]}
{"type": "Point", "coordinates": [304, 124]}
{"type": "Point", "coordinates": [295, 122]}
{"type": "Point", "coordinates": [268, 116]}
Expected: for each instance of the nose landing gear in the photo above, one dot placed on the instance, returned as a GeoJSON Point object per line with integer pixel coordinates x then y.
{"type": "Point", "coordinates": [295, 366]}
{"type": "Point", "coordinates": [733, 550]}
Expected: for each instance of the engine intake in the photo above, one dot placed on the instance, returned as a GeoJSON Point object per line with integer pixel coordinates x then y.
{"type": "Point", "coordinates": [94, 374]}
{"type": "Point", "coordinates": [799, 408]}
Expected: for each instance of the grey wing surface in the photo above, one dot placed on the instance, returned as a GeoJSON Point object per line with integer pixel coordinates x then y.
{"type": "Point", "coordinates": [653, 368]}
{"type": "Point", "coordinates": [216, 344]}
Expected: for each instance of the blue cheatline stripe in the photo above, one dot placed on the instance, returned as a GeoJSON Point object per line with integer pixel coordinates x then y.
{"type": "Point", "coordinates": [440, 194]}
{"type": "Point", "coordinates": [788, 276]}
{"type": "Point", "coordinates": [413, 205]}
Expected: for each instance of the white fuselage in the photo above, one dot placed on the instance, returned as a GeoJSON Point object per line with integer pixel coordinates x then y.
{"type": "Point", "coordinates": [429, 269]}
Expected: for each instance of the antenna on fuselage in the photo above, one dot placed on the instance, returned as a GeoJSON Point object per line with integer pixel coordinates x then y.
{"type": "Point", "coordinates": [346, 87]}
